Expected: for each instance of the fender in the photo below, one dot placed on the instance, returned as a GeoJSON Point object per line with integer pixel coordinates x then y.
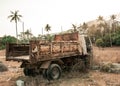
{"type": "Point", "coordinates": [45, 64]}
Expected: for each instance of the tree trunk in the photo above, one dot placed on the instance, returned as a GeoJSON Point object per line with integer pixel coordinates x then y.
{"type": "Point", "coordinates": [16, 31]}
{"type": "Point", "coordinates": [110, 38]}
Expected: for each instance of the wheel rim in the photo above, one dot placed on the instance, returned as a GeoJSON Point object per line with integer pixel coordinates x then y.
{"type": "Point", "coordinates": [55, 73]}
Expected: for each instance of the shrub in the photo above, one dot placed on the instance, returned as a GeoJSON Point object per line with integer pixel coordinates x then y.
{"type": "Point", "coordinates": [3, 67]}
{"type": "Point", "coordinates": [116, 39]}
{"type": "Point", "coordinates": [99, 42]}
{"type": "Point", "coordinates": [7, 39]}
{"type": "Point", "coordinates": [106, 40]}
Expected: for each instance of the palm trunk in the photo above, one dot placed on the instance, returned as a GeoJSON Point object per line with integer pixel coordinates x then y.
{"type": "Point", "coordinates": [23, 31]}
{"type": "Point", "coordinates": [16, 31]}
{"type": "Point", "coordinates": [110, 39]}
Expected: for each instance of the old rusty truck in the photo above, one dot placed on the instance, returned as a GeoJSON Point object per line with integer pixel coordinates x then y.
{"type": "Point", "coordinates": [70, 51]}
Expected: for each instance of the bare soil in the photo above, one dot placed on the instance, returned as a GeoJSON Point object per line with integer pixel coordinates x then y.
{"type": "Point", "coordinates": [92, 78]}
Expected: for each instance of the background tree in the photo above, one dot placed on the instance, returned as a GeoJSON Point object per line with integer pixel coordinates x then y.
{"type": "Point", "coordinates": [24, 37]}
{"type": "Point", "coordinates": [101, 25]}
{"type": "Point", "coordinates": [28, 34]}
{"type": "Point", "coordinates": [112, 27]}
{"type": "Point", "coordinates": [84, 27]}
{"type": "Point", "coordinates": [7, 39]}
{"type": "Point", "coordinates": [15, 17]}
{"type": "Point", "coordinates": [113, 17]}
{"type": "Point", "coordinates": [100, 18]}
{"type": "Point", "coordinates": [74, 27]}
{"type": "Point", "coordinates": [47, 28]}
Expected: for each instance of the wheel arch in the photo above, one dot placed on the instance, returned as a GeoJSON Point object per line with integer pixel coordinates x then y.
{"type": "Point", "coordinates": [46, 64]}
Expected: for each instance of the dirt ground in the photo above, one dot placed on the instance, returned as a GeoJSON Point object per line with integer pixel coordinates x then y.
{"type": "Point", "coordinates": [93, 78]}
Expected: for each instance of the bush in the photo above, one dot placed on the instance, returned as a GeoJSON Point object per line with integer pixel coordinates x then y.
{"type": "Point", "coordinates": [99, 42]}
{"type": "Point", "coordinates": [7, 39]}
{"type": "Point", "coordinates": [2, 47]}
{"type": "Point", "coordinates": [116, 39]}
{"type": "Point", "coordinates": [106, 40]}
{"type": "Point", "coordinates": [3, 67]}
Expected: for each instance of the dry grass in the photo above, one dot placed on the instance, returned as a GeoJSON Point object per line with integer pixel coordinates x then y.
{"type": "Point", "coordinates": [111, 55]}
{"type": "Point", "coordinates": [2, 52]}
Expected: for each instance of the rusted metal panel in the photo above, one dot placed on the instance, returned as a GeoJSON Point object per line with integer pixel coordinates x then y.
{"type": "Point", "coordinates": [63, 46]}
{"type": "Point", "coordinates": [67, 37]}
{"type": "Point", "coordinates": [20, 51]}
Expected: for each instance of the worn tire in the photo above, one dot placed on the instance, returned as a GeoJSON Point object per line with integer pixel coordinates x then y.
{"type": "Point", "coordinates": [44, 73]}
{"type": "Point", "coordinates": [54, 72]}
{"type": "Point", "coordinates": [26, 72]}
{"type": "Point", "coordinates": [79, 66]}
{"type": "Point", "coordinates": [29, 72]}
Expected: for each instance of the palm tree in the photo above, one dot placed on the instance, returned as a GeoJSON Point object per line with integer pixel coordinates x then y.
{"type": "Point", "coordinates": [84, 27]}
{"type": "Point", "coordinates": [74, 27]}
{"type": "Point", "coordinates": [47, 28]}
{"type": "Point", "coordinates": [113, 17]}
{"type": "Point", "coordinates": [15, 17]}
{"type": "Point", "coordinates": [101, 24]}
{"type": "Point", "coordinates": [28, 34]}
{"type": "Point", "coordinates": [100, 18]}
{"type": "Point", "coordinates": [112, 26]}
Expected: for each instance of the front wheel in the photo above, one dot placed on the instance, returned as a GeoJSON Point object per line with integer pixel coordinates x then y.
{"type": "Point", "coordinates": [44, 73]}
{"type": "Point", "coordinates": [54, 72]}
{"type": "Point", "coordinates": [26, 72]}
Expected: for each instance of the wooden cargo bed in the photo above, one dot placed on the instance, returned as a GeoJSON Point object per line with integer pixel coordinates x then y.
{"type": "Point", "coordinates": [53, 50]}
{"type": "Point", "coordinates": [38, 50]}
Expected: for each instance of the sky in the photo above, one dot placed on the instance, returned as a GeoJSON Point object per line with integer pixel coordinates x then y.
{"type": "Point", "coordinates": [57, 13]}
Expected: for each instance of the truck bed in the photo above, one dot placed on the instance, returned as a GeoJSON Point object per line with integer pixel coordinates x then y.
{"type": "Point", "coordinates": [52, 50]}
{"type": "Point", "coordinates": [17, 52]}
{"type": "Point", "coordinates": [63, 46]}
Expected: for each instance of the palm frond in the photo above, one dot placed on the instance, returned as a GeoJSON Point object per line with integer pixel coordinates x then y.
{"type": "Point", "coordinates": [10, 16]}
{"type": "Point", "coordinates": [17, 18]}
{"type": "Point", "coordinates": [13, 18]}
{"type": "Point", "coordinates": [19, 15]}
{"type": "Point", "coordinates": [12, 12]}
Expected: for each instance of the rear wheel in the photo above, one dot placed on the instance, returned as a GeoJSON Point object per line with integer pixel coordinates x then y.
{"type": "Point", "coordinates": [54, 72]}
{"type": "Point", "coordinates": [79, 66]}
{"type": "Point", "coordinates": [29, 72]}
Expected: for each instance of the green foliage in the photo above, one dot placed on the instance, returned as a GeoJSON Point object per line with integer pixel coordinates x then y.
{"type": "Point", "coordinates": [116, 38]}
{"type": "Point", "coordinates": [2, 47]}
{"type": "Point", "coordinates": [106, 40]}
{"type": "Point", "coordinates": [49, 37]}
{"type": "Point", "coordinates": [7, 39]}
{"type": "Point", "coordinates": [99, 42]}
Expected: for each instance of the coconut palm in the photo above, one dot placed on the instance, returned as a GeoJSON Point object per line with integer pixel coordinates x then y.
{"type": "Point", "coordinates": [100, 18]}
{"type": "Point", "coordinates": [101, 24]}
{"type": "Point", "coordinates": [28, 34]}
{"type": "Point", "coordinates": [15, 17]}
{"type": "Point", "coordinates": [112, 26]}
{"type": "Point", "coordinates": [84, 27]}
{"type": "Point", "coordinates": [47, 28]}
{"type": "Point", "coordinates": [113, 17]}
{"type": "Point", "coordinates": [74, 27]}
